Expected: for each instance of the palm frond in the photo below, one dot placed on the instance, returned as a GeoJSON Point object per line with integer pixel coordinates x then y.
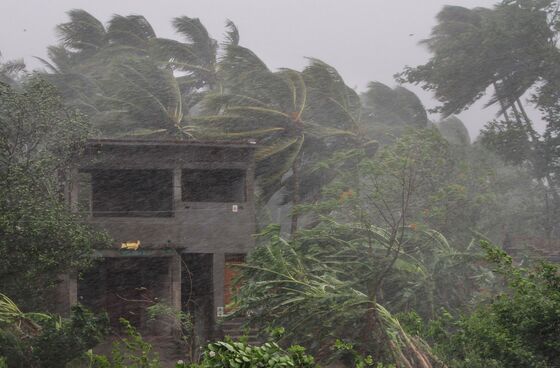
{"type": "Point", "coordinates": [83, 32]}
{"type": "Point", "coordinates": [131, 30]}
{"type": "Point", "coordinates": [277, 147]}
{"type": "Point", "coordinates": [232, 33]}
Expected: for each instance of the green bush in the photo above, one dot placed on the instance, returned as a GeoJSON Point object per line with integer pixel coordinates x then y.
{"type": "Point", "coordinates": [520, 327]}
{"type": "Point", "coordinates": [40, 340]}
{"type": "Point", "coordinates": [234, 354]}
{"type": "Point", "coordinates": [129, 352]}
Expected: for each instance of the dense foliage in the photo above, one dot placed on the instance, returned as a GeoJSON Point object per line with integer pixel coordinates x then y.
{"type": "Point", "coordinates": [236, 354]}
{"type": "Point", "coordinates": [46, 341]}
{"type": "Point", "coordinates": [368, 247]}
{"type": "Point", "coordinates": [512, 49]}
{"type": "Point", "coordinates": [383, 203]}
{"type": "Point", "coordinates": [39, 239]}
{"type": "Point", "coordinates": [518, 327]}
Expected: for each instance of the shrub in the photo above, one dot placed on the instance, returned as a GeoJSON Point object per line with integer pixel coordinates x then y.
{"type": "Point", "coordinates": [235, 354]}
{"type": "Point", "coordinates": [30, 340]}
{"type": "Point", "coordinates": [520, 327]}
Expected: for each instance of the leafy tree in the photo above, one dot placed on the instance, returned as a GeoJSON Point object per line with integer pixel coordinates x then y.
{"type": "Point", "coordinates": [39, 238]}
{"type": "Point", "coordinates": [454, 131]}
{"type": "Point", "coordinates": [516, 328]}
{"type": "Point", "coordinates": [42, 340]}
{"type": "Point", "coordinates": [388, 113]}
{"type": "Point", "coordinates": [124, 77]}
{"type": "Point", "coordinates": [512, 49]}
{"type": "Point", "coordinates": [317, 299]}
{"type": "Point", "coordinates": [367, 249]}
{"type": "Point", "coordinates": [479, 48]}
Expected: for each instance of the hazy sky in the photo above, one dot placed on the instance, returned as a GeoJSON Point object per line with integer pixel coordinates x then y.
{"type": "Point", "coordinates": [365, 40]}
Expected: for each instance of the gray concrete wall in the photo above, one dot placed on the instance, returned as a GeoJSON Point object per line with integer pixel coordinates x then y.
{"type": "Point", "coordinates": [198, 227]}
{"type": "Point", "coordinates": [195, 227]}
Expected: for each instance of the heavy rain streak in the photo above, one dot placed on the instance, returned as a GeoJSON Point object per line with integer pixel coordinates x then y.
{"type": "Point", "coordinates": [280, 183]}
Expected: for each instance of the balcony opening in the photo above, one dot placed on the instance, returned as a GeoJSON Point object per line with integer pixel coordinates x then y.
{"type": "Point", "coordinates": [132, 193]}
{"type": "Point", "coordinates": [223, 185]}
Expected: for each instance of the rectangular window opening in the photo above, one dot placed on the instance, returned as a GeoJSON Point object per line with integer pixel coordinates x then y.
{"type": "Point", "coordinates": [132, 193]}
{"type": "Point", "coordinates": [222, 185]}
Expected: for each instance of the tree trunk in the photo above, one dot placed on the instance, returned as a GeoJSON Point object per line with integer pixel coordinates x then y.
{"type": "Point", "coordinates": [502, 105]}
{"type": "Point", "coordinates": [372, 334]}
{"type": "Point", "coordinates": [296, 176]}
{"type": "Point", "coordinates": [517, 115]}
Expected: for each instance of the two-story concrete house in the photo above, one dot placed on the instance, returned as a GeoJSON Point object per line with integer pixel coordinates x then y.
{"type": "Point", "coordinates": [179, 213]}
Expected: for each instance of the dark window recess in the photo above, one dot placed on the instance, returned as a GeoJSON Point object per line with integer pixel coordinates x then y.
{"type": "Point", "coordinates": [132, 193]}
{"type": "Point", "coordinates": [224, 185]}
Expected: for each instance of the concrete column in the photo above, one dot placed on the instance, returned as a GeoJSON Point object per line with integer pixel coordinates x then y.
{"type": "Point", "coordinates": [66, 293]}
{"type": "Point", "coordinates": [250, 183]}
{"type": "Point", "coordinates": [175, 281]}
{"type": "Point", "coordinates": [177, 185]}
{"type": "Point", "coordinates": [74, 189]}
{"type": "Point", "coordinates": [218, 266]}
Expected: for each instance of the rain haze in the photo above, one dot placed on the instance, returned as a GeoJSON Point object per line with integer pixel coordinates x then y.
{"type": "Point", "coordinates": [273, 184]}
{"type": "Point", "coordinates": [364, 40]}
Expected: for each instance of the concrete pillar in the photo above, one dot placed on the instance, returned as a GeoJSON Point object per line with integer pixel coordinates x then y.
{"type": "Point", "coordinates": [175, 281]}
{"type": "Point", "coordinates": [73, 189]}
{"type": "Point", "coordinates": [218, 266]}
{"type": "Point", "coordinates": [250, 184]}
{"type": "Point", "coordinates": [66, 293]}
{"type": "Point", "coordinates": [177, 186]}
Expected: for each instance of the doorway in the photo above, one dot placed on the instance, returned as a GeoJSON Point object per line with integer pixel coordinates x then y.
{"type": "Point", "coordinates": [197, 292]}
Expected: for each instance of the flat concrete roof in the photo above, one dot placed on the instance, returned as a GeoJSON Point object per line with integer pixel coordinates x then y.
{"type": "Point", "coordinates": [168, 143]}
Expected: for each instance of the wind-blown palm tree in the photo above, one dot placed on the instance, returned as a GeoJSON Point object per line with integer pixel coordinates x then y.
{"type": "Point", "coordinates": [130, 82]}
{"type": "Point", "coordinates": [297, 116]}
{"type": "Point", "coordinates": [126, 78]}
{"type": "Point", "coordinates": [11, 71]}
{"type": "Point", "coordinates": [479, 48]}
{"type": "Point", "coordinates": [511, 48]}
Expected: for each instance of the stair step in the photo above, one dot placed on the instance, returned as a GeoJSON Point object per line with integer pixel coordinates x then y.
{"type": "Point", "coordinates": [235, 329]}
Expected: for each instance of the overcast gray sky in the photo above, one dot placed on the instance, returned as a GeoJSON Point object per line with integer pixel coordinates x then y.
{"type": "Point", "coordinates": [365, 40]}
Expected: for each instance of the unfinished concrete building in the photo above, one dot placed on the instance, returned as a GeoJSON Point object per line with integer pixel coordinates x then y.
{"type": "Point", "coordinates": [179, 212]}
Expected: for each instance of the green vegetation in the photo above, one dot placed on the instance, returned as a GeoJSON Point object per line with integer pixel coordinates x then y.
{"type": "Point", "coordinates": [40, 239]}
{"type": "Point", "coordinates": [512, 49]}
{"type": "Point", "coordinates": [389, 260]}
{"type": "Point", "coordinates": [518, 327]}
{"type": "Point", "coordinates": [233, 354]}
{"type": "Point", "coordinates": [43, 340]}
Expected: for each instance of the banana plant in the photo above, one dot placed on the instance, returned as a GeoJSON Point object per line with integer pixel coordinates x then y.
{"type": "Point", "coordinates": [320, 297]}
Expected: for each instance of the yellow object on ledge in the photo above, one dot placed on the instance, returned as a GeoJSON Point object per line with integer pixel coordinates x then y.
{"type": "Point", "coordinates": [131, 245]}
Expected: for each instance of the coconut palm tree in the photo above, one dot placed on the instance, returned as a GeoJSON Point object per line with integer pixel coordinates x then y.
{"type": "Point", "coordinates": [126, 78]}
{"type": "Point", "coordinates": [11, 71]}
{"type": "Point", "coordinates": [132, 82]}
{"type": "Point", "coordinates": [296, 116]}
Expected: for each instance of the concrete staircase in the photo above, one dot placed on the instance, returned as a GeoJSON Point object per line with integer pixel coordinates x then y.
{"type": "Point", "coordinates": [235, 329]}
{"type": "Point", "coordinates": [168, 348]}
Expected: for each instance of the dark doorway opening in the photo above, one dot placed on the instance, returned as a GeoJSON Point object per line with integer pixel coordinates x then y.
{"type": "Point", "coordinates": [197, 292]}
{"type": "Point", "coordinates": [125, 288]}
